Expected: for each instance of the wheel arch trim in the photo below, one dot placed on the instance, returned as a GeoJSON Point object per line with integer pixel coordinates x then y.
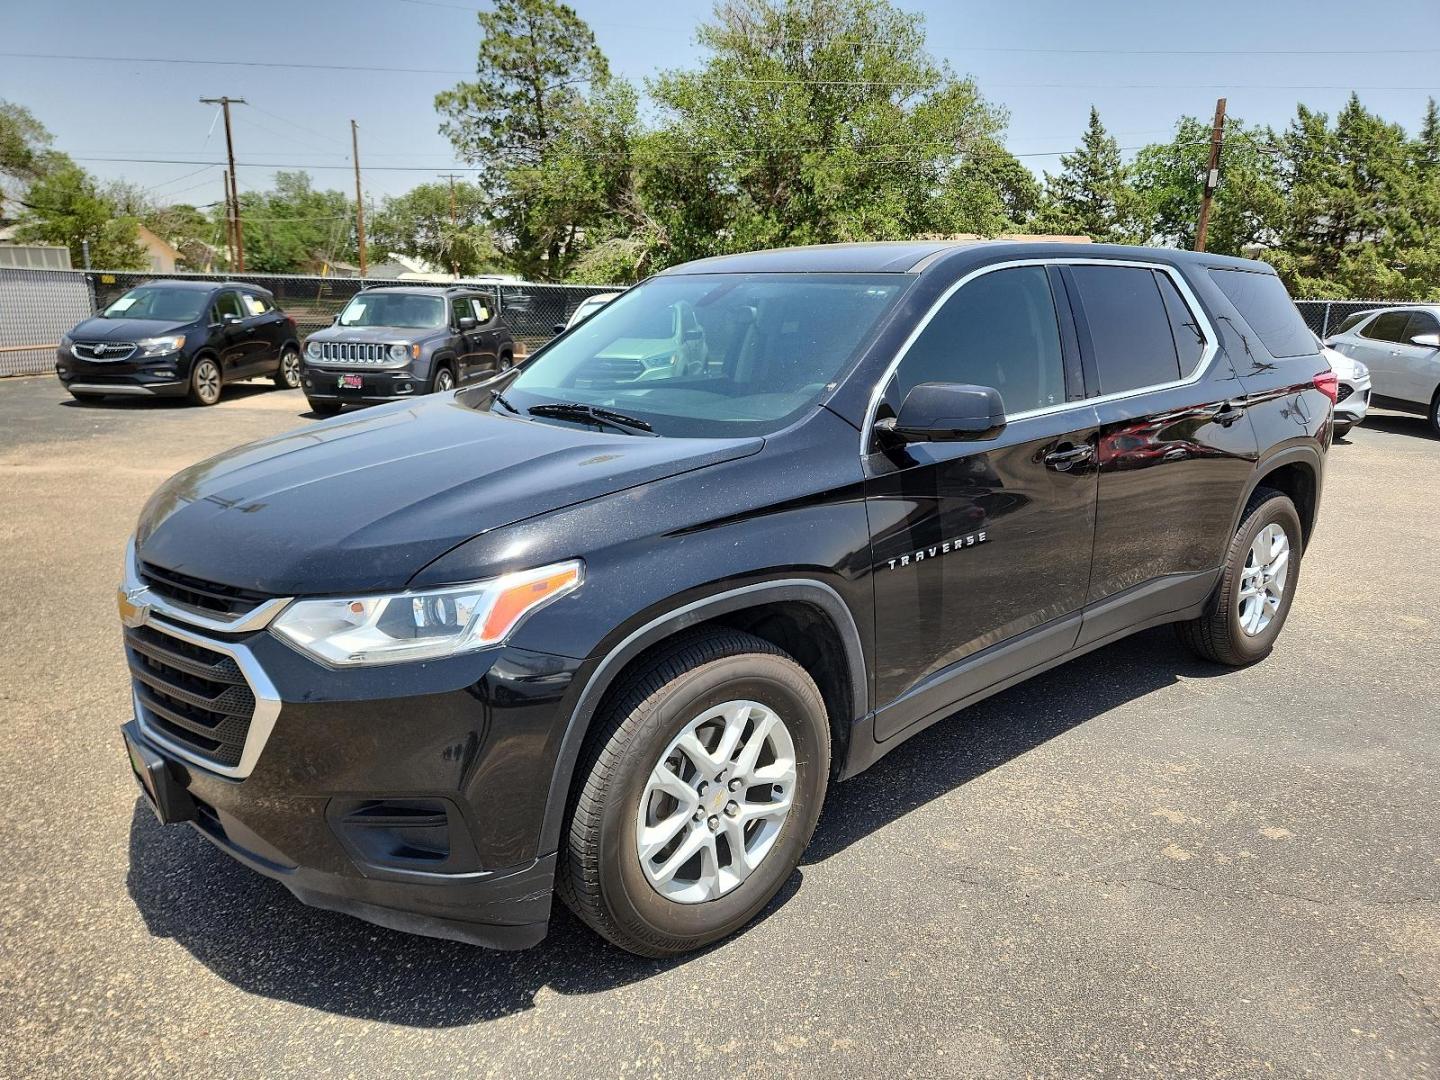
{"type": "Point", "coordinates": [1302, 454]}
{"type": "Point", "coordinates": [577, 727]}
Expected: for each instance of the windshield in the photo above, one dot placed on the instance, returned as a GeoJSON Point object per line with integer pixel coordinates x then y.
{"type": "Point", "coordinates": [395, 309]}
{"type": "Point", "coordinates": [159, 303]}
{"type": "Point", "coordinates": [712, 354]}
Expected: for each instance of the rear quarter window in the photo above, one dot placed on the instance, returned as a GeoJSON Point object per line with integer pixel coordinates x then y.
{"type": "Point", "coordinates": [1264, 304]}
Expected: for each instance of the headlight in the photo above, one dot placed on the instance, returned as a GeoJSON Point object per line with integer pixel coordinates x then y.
{"type": "Point", "coordinates": [66, 341]}
{"type": "Point", "coordinates": [312, 350]}
{"type": "Point", "coordinates": [398, 352]}
{"type": "Point", "coordinates": [1361, 371]}
{"type": "Point", "coordinates": [159, 346]}
{"type": "Point", "coordinates": [359, 630]}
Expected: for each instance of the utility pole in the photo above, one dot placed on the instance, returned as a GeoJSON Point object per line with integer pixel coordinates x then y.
{"type": "Point", "coordinates": [359, 203]}
{"type": "Point", "coordinates": [234, 204]}
{"type": "Point", "coordinates": [454, 265]}
{"type": "Point", "coordinates": [1212, 174]}
{"type": "Point", "coordinates": [229, 222]}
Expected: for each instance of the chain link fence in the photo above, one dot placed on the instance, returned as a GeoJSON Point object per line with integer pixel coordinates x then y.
{"type": "Point", "coordinates": [37, 307]}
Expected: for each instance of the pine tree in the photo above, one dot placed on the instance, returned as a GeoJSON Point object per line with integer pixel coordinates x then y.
{"type": "Point", "coordinates": [1091, 194]}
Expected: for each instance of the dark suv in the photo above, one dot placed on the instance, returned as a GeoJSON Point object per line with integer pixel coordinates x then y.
{"type": "Point", "coordinates": [395, 342]}
{"type": "Point", "coordinates": [177, 338]}
{"type": "Point", "coordinates": [573, 631]}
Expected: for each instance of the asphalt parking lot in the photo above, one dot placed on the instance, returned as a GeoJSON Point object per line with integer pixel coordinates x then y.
{"type": "Point", "coordinates": [1135, 864]}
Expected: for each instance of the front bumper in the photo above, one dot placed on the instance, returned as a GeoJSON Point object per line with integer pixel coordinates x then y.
{"type": "Point", "coordinates": [159, 376]}
{"type": "Point", "coordinates": [1351, 409]}
{"type": "Point", "coordinates": [411, 796]}
{"type": "Point", "coordinates": [322, 383]}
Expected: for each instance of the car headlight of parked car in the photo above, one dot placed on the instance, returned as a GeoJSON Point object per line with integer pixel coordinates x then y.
{"type": "Point", "coordinates": [399, 352]}
{"type": "Point", "coordinates": [312, 350]}
{"type": "Point", "coordinates": [1361, 371]}
{"type": "Point", "coordinates": [159, 346]}
{"type": "Point", "coordinates": [388, 629]}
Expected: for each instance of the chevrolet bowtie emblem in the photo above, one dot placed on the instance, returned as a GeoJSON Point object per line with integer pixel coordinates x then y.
{"type": "Point", "coordinates": [133, 609]}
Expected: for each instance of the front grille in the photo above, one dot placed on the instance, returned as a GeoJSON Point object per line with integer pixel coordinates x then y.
{"type": "Point", "coordinates": [194, 696]}
{"type": "Point", "coordinates": [107, 351]}
{"type": "Point", "coordinates": [1344, 392]}
{"type": "Point", "coordinates": [353, 352]}
{"type": "Point", "coordinates": [605, 372]}
{"type": "Point", "coordinates": [196, 593]}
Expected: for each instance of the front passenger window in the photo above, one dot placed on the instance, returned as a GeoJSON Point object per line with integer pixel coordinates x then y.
{"type": "Point", "coordinates": [999, 330]}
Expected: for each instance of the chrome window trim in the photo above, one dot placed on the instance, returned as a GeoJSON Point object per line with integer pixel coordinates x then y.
{"type": "Point", "coordinates": [262, 720]}
{"type": "Point", "coordinates": [141, 595]}
{"type": "Point", "coordinates": [1202, 367]}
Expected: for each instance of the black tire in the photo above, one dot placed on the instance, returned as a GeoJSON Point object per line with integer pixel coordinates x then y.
{"type": "Point", "coordinates": [1434, 415]}
{"type": "Point", "coordinates": [1342, 428]}
{"type": "Point", "coordinates": [324, 408]}
{"type": "Point", "coordinates": [287, 375]}
{"type": "Point", "coordinates": [1217, 635]}
{"type": "Point", "coordinates": [442, 380]}
{"type": "Point", "coordinates": [507, 361]}
{"type": "Point", "coordinates": [205, 390]}
{"type": "Point", "coordinates": [600, 876]}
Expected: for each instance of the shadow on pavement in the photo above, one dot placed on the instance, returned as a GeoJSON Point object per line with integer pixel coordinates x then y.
{"type": "Point", "coordinates": [251, 932]}
{"type": "Point", "coordinates": [233, 392]}
{"type": "Point", "coordinates": [1397, 424]}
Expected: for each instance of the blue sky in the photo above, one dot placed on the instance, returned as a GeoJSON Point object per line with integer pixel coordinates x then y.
{"type": "Point", "coordinates": [1141, 63]}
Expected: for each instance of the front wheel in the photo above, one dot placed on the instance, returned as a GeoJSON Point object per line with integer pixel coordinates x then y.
{"type": "Point", "coordinates": [1257, 584]}
{"type": "Point", "coordinates": [287, 375]}
{"type": "Point", "coordinates": [1342, 428]}
{"type": "Point", "coordinates": [697, 793]}
{"type": "Point", "coordinates": [443, 380]}
{"type": "Point", "coordinates": [1435, 415]}
{"type": "Point", "coordinates": [205, 382]}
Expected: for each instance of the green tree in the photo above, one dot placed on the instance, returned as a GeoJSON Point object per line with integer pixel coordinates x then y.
{"type": "Point", "coordinates": [1091, 195]}
{"type": "Point", "coordinates": [295, 228]}
{"type": "Point", "coordinates": [24, 151]}
{"type": "Point", "coordinates": [444, 225]}
{"type": "Point", "coordinates": [1169, 179]}
{"type": "Point", "coordinates": [66, 206]}
{"type": "Point", "coordinates": [814, 121]}
{"type": "Point", "coordinates": [534, 58]}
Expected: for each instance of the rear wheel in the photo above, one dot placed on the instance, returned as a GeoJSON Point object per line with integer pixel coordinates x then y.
{"type": "Point", "coordinates": [1250, 605]}
{"type": "Point", "coordinates": [698, 792]}
{"type": "Point", "coordinates": [1434, 416]}
{"type": "Point", "coordinates": [506, 361]}
{"type": "Point", "coordinates": [205, 382]}
{"type": "Point", "coordinates": [287, 375]}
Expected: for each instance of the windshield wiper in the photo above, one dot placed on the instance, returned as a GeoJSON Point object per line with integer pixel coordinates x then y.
{"type": "Point", "coordinates": [500, 400]}
{"type": "Point", "coordinates": [577, 410]}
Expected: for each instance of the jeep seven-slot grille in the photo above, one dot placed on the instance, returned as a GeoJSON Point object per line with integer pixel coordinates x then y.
{"type": "Point", "coordinates": [196, 593]}
{"type": "Point", "coordinates": [353, 352]}
{"type": "Point", "coordinates": [194, 696]}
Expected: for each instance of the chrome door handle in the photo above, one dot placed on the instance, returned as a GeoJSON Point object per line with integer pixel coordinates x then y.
{"type": "Point", "coordinates": [1064, 460]}
{"type": "Point", "coordinates": [1229, 412]}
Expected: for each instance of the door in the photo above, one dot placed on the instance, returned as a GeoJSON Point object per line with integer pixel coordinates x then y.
{"type": "Point", "coordinates": [269, 336]}
{"type": "Point", "coordinates": [467, 347]}
{"type": "Point", "coordinates": [234, 336]}
{"type": "Point", "coordinates": [1176, 447]}
{"type": "Point", "coordinates": [1377, 346]}
{"type": "Point", "coordinates": [487, 342]}
{"type": "Point", "coordinates": [1417, 367]}
{"type": "Point", "coordinates": [981, 550]}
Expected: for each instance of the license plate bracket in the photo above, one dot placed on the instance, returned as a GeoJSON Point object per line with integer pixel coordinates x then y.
{"type": "Point", "coordinates": [170, 802]}
{"type": "Point", "coordinates": [351, 382]}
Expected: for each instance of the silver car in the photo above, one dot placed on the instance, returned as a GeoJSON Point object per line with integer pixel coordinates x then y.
{"type": "Point", "coordinates": [1401, 347]}
{"type": "Point", "coordinates": [1353, 392]}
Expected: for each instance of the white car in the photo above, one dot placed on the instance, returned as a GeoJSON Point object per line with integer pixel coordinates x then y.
{"type": "Point", "coordinates": [1401, 347]}
{"type": "Point", "coordinates": [588, 307]}
{"type": "Point", "coordinates": [1353, 398]}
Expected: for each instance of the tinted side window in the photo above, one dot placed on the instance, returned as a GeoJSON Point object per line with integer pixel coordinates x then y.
{"type": "Point", "coordinates": [1352, 321]}
{"type": "Point", "coordinates": [1000, 330]}
{"type": "Point", "coordinates": [227, 303]}
{"type": "Point", "coordinates": [1263, 302]}
{"type": "Point", "coordinates": [462, 309]}
{"type": "Point", "coordinates": [255, 304]}
{"type": "Point", "coordinates": [1388, 327]}
{"type": "Point", "coordinates": [1421, 322]}
{"type": "Point", "coordinates": [1184, 325]}
{"type": "Point", "coordinates": [1129, 327]}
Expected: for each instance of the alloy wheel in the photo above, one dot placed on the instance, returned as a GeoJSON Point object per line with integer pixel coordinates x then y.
{"type": "Point", "coordinates": [715, 802]}
{"type": "Point", "coordinates": [444, 381]}
{"type": "Point", "coordinates": [207, 382]}
{"type": "Point", "coordinates": [1262, 581]}
{"type": "Point", "coordinates": [290, 370]}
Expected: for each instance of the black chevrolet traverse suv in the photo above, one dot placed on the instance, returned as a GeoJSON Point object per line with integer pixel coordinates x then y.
{"type": "Point", "coordinates": [581, 633]}
{"type": "Point", "coordinates": [177, 338]}
{"type": "Point", "coordinates": [396, 342]}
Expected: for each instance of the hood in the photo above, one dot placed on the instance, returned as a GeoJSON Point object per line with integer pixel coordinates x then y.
{"type": "Point", "coordinates": [374, 335]}
{"type": "Point", "coordinates": [124, 329]}
{"type": "Point", "coordinates": [362, 504]}
{"type": "Point", "coordinates": [1341, 364]}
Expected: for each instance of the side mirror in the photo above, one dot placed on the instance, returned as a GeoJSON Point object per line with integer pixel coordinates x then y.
{"type": "Point", "coordinates": [559, 328]}
{"type": "Point", "coordinates": [947, 412]}
{"type": "Point", "coordinates": [467, 323]}
{"type": "Point", "coordinates": [335, 319]}
{"type": "Point", "coordinates": [229, 320]}
{"type": "Point", "coordinates": [1427, 341]}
